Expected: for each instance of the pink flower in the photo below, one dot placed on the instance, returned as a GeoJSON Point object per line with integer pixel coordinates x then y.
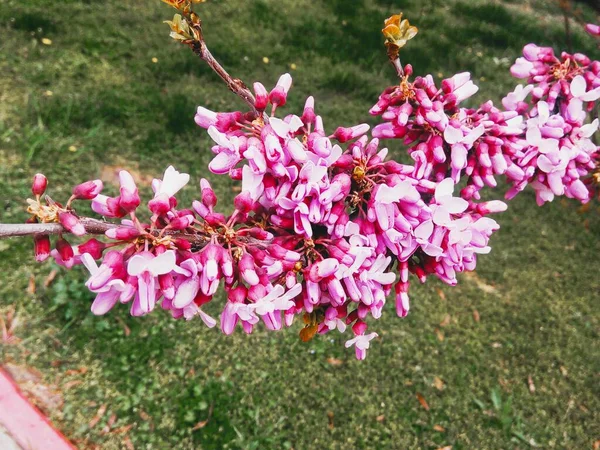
{"type": "Point", "coordinates": [146, 267]}
{"type": "Point", "coordinates": [361, 344]}
{"type": "Point", "coordinates": [446, 205]}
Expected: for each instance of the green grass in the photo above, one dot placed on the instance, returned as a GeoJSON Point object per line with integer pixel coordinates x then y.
{"type": "Point", "coordinates": [537, 293]}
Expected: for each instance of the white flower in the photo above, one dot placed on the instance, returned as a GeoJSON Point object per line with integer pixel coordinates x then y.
{"type": "Point", "coordinates": [172, 182]}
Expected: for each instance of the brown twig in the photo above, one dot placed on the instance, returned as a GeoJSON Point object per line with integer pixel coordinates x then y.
{"type": "Point", "coordinates": [92, 226]}
{"type": "Point", "coordinates": [235, 85]}
{"type": "Point", "coordinates": [98, 227]}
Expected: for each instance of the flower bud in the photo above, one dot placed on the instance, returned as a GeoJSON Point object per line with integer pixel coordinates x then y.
{"type": "Point", "coordinates": [160, 205]}
{"type": "Point", "coordinates": [65, 251]}
{"type": "Point", "coordinates": [261, 96]}
{"type": "Point", "coordinates": [40, 182]}
{"type": "Point", "coordinates": [181, 223]}
{"type": "Point", "coordinates": [308, 116]}
{"type": "Point", "coordinates": [359, 327]}
{"type": "Point", "coordinates": [122, 233]}
{"type": "Point", "coordinates": [41, 247]}
{"type": "Point", "coordinates": [346, 134]}
{"type": "Point", "coordinates": [93, 247]}
{"type": "Point", "coordinates": [88, 190]}
{"type": "Point", "coordinates": [243, 202]}
{"type": "Point", "coordinates": [71, 223]}
{"type": "Point", "coordinates": [130, 199]}
{"type": "Point", "coordinates": [208, 194]}
{"type": "Point", "coordinates": [278, 95]}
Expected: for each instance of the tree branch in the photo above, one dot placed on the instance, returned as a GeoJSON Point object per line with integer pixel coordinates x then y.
{"type": "Point", "coordinates": [99, 227]}
{"type": "Point", "coordinates": [235, 85]}
{"type": "Point", "coordinates": [92, 226]}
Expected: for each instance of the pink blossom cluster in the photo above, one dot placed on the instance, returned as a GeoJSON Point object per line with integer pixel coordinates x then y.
{"type": "Point", "coordinates": [361, 219]}
{"type": "Point", "coordinates": [325, 225]}
{"type": "Point", "coordinates": [555, 154]}
{"type": "Point", "coordinates": [542, 137]}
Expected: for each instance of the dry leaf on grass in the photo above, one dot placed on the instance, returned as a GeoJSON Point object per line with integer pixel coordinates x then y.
{"type": "Point", "coordinates": [50, 278]}
{"type": "Point", "coordinates": [380, 418]}
{"type": "Point", "coordinates": [99, 414]}
{"type": "Point", "coordinates": [439, 428]}
{"type": "Point", "coordinates": [8, 327]}
{"type": "Point", "coordinates": [69, 384]}
{"type": "Point", "coordinates": [473, 277]}
{"type": "Point", "coordinates": [476, 317]}
{"type": "Point", "coordinates": [80, 371]}
{"type": "Point", "coordinates": [203, 423]}
{"type": "Point", "coordinates": [122, 430]}
{"type": "Point", "coordinates": [438, 383]}
{"type": "Point", "coordinates": [447, 447]}
{"type": "Point", "coordinates": [31, 285]}
{"type": "Point", "coordinates": [439, 335]}
{"type": "Point", "coordinates": [111, 421]}
{"type": "Point", "coordinates": [422, 401]}
{"type": "Point", "coordinates": [126, 329]}
{"type": "Point", "coordinates": [200, 425]}
{"type": "Point", "coordinates": [530, 384]}
{"type": "Point", "coordinates": [330, 417]}
{"type": "Point", "coordinates": [446, 320]}
{"type": "Point", "coordinates": [441, 293]}
{"type": "Point", "coordinates": [128, 444]}
{"type": "Point", "coordinates": [335, 362]}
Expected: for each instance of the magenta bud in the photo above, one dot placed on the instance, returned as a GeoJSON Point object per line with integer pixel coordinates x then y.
{"type": "Point", "coordinates": [491, 207]}
{"type": "Point", "coordinates": [160, 205]}
{"type": "Point", "coordinates": [88, 190]}
{"type": "Point", "coordinates": [346, 134]}
{"type": "Point", "coordinates": [65, 250]}
{"type": "Point", "coordinates": [359, 327]}
{"type": "Point", "coordinates": [71, 223]}
{"type": "Point", "coordinates": [208, 195]}
{"type": "Point", "coordinates": [40, 182]}
{"type": "Point", "coordinates": [93, 247]}
{"type": "Point", "coordinates": [308, 116]}
{"type": "Point", "coordinates": [243, 202]}
{"type": "Point", "coordinates": [181, 223]}
{"type": "Point", "coordinates": [278, 95]}
{"type": "Point", "coordinates": [129, 199]}
{"type": "Point", "coordinates": [261, 96]}
{"type": "Point", "coordinates": [41, 247]}
{"type": "Point", "coordinates": [122, 233]}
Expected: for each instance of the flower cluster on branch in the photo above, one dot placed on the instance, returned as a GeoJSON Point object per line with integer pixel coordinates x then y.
{"type": "Point", "coordinates": [326, 226]}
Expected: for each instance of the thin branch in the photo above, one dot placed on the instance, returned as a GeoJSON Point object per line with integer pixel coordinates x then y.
{"type": "Point", "coordinates": [92, 226]}
{"type": "Point", "coordinates": [98, 227]}
{"type": "Point", "coordinates": [235, 85]}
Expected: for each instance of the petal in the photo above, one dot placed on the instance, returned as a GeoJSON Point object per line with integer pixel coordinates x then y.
{"type": "Point", "coordinates": [453, 135]}
{"type": "Point", "coordinates": [136, 265]}
{"type": "Point", "coordinates": [281, 128]}
{"type": "Point", "coordinates": [104, 302]}
{"type": "Point", "coordinates": [444, 189]}
{"type": "Point", "coordinates": [163, 263]}
{"type": "Point", "coordinates": [545, 164]}
{"type": "Point", "coordinates": [455, 205]}
{"type": "Point", "coordinates": [186, 292]}
{"type": "Point", "coordinates": [578, 86]}
{"type": "Point", "coordinates": [220, 138]}
{"type": "Point", "coordinates": [424, 230]}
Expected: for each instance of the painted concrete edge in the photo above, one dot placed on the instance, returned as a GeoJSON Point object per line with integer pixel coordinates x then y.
{"type": "Point", "coordinates": [26, 424]}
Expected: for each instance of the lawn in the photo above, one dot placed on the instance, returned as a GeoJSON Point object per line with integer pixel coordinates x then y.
{"type": "Point", "coordinates": [509, 359]}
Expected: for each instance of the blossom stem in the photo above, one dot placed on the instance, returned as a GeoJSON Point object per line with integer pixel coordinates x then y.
{"type": "Point", "coordinates": [235, 85]}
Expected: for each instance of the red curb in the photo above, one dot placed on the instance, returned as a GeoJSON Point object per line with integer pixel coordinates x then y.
{"type": "Point", "coordinates": [24, 422]}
